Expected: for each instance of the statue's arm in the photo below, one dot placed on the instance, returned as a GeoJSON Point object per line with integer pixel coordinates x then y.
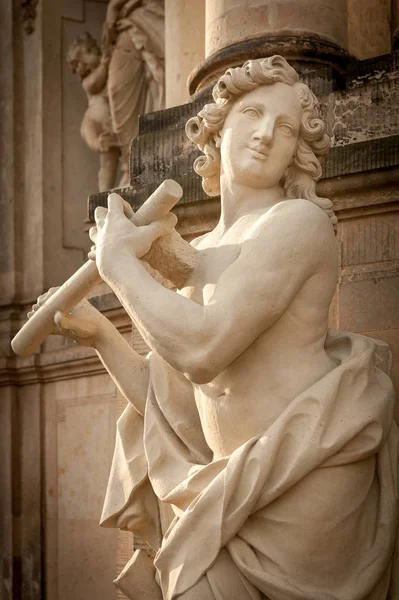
{"type": "Point", "coordinates": [250, 297]}
{"type": "Point", "coordinates": [89, 327]}
{"type": "Point", "coordinates": [126, 367]}
{"type": "Point", "coordinates": [111, 18]}
{"type": "Point", "coordinates": [96, 81]}
{"type": "Point", "coordinates": [112, 4]}
{"type": "Point", "coordinates": [113, 9]}
{"type": "Point", "coordinates": [117, 9]}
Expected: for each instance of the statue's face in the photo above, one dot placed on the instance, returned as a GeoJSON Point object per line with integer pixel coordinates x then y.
{"type": "Point", "coordinates": [83, 62]}
{"type": "Point", "coordinates": [260, 136]}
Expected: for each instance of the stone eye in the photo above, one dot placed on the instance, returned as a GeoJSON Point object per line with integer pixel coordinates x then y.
{"type": "Point", "coordinates": [250, 112]}
{"type": "Point", "coordinates": [285, 128]}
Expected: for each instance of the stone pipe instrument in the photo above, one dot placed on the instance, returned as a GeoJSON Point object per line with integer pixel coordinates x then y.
{"type": "Point", "coordinates": [170, 255]}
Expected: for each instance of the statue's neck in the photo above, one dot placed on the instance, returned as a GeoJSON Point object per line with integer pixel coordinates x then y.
{"type": "Point", "coordinates": [238, 200]}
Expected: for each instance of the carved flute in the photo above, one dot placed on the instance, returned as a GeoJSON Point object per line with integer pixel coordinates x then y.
{"type": "Point", "coordinates": [41, 324]}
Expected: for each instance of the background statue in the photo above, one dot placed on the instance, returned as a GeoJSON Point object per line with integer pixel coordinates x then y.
{"type": "Point", "coordinates": [135, 37]}
{"type": "Point", "coordinates": [122, 80]}
{"type": "Point", "coordinates": [270, 437]}
{"type": "Point", "coordinates": [91, 65]}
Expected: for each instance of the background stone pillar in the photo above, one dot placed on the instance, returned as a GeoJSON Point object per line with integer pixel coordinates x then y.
{"type": "Point", "coordinates": [184, 46]}
{"type": "Point", "coordinates": [303, 31]}
{"type": "Point", "coordinates": [395, 24]}
{"type": "Point", "coordinates": [232, 21]}
{"type": "Point", "coordinates": [53, 469]}
{"type": "Point", "coordinates": [369, 27]}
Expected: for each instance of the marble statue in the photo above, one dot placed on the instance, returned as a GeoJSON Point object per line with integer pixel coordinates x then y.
{"type": "Point", "coordinates": [271, 437]}
{"type": "Point", "coordinates": [134, 36]}
{"type": "Point", "coordinates": [91, 65]}
{"type": "Point", "coordinates": [122, 80]}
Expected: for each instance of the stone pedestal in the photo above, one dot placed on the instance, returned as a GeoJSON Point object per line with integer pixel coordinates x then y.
{"type": "Point", "coordinates": [302, 31]}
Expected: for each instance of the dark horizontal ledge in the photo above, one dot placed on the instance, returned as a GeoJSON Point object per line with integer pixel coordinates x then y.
{"type": "Point", "coordinates": [342, 160]}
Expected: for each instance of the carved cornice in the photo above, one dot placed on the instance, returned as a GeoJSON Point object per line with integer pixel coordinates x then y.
{"type": "Point", "coordinates": [58, 359]}
{"type": "Point", "coordinates": [28, 10]}
{"type": "Point", "coordinates": [66, 365]}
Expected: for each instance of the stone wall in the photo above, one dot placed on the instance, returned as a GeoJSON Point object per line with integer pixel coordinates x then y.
{"type": "Point", "coordinates": [58, 408]}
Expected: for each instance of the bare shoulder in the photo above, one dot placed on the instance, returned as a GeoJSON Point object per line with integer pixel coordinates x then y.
{"type": "Point", "coordinates": [301, 212]}
{"type": "Point", "coordinates": [300, 220]}
{"type": "Point", "coordinates": [295, 230]}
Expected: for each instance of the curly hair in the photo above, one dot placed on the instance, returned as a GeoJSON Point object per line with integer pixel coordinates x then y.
{"type": "Point", "coordinates": [85, 41]}
{"type": "Point", "coordinates": [299, 180]}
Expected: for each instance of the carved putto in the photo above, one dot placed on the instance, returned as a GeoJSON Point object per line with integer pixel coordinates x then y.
{"type": "Point", "coordinates": [122, 80]}
{"type": "Point", "coordinates": [91, 65]}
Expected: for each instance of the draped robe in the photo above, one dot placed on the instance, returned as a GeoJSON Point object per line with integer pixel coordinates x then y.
{"type": "Point", "coordinates": [307, 510]}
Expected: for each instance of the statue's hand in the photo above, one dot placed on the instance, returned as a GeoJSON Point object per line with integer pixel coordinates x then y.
{"type": "Point", "coordinates": [122, 25]}
{"type": "Point", "coordinates": [115, 236]}
{"type": "Point", "coordinates": [111, 16]}
{"type": "Point", "coordinates": [109, 31]}
{"type": "Point", "coordinates": [105, 141]}
{"type": "Point", "coordinates": [83, 324]}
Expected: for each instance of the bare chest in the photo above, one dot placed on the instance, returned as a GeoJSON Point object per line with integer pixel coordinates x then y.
{"type": "Point", "coordinates": [215, 256]}
{"type": "Point", "coordinates": [212, 263]}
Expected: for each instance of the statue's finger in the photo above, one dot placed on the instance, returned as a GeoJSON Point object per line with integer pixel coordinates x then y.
{"type": "Point", "coordinates": [65, 323]}
{"type": "Point", "coordinates": [161, 227]}
{"type": "Point", "coordinates": [51, 291]}
{"type": "Point", "coordinates": [58, 317]}
{"type": "Point", "coordinates": [72, 326]}
{"type": "Point", "coordinates": [100, 214]}
{"type": "Point", "coordinates": [128, 210]}
{"type": "Point", "coordinates": [44, 297]}
{"type": "Point", "coordinates": [93, 233]}
{"type": "Point", "coordinates": [115, 204]}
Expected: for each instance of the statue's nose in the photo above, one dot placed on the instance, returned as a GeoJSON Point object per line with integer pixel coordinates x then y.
{"type": "Point", "coordinates": [265, 130]}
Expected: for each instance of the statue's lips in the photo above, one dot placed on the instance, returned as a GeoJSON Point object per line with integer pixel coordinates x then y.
{"type": "Point", "coordinates": [259, 152]}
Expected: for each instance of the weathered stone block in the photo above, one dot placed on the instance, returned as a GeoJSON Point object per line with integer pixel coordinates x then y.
{"type": "Point", "coordinates": [369, 305]}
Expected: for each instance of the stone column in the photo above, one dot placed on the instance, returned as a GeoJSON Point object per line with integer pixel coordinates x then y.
{"type": "Point", "coordinates": [184, 46]}
{"type": "Point", "coordinates": [302, 31]}
{"type": "Point", "coordinates": [395, 24]}
{"type": "Point", "coordinates": [369, 27]}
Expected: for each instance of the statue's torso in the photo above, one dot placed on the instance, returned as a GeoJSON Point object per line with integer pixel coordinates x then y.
{"type": "Point", "coordinates": [285, 359]}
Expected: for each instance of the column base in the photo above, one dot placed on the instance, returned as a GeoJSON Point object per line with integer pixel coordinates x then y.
{"type": "Point", "coordinates": [303, 52]}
